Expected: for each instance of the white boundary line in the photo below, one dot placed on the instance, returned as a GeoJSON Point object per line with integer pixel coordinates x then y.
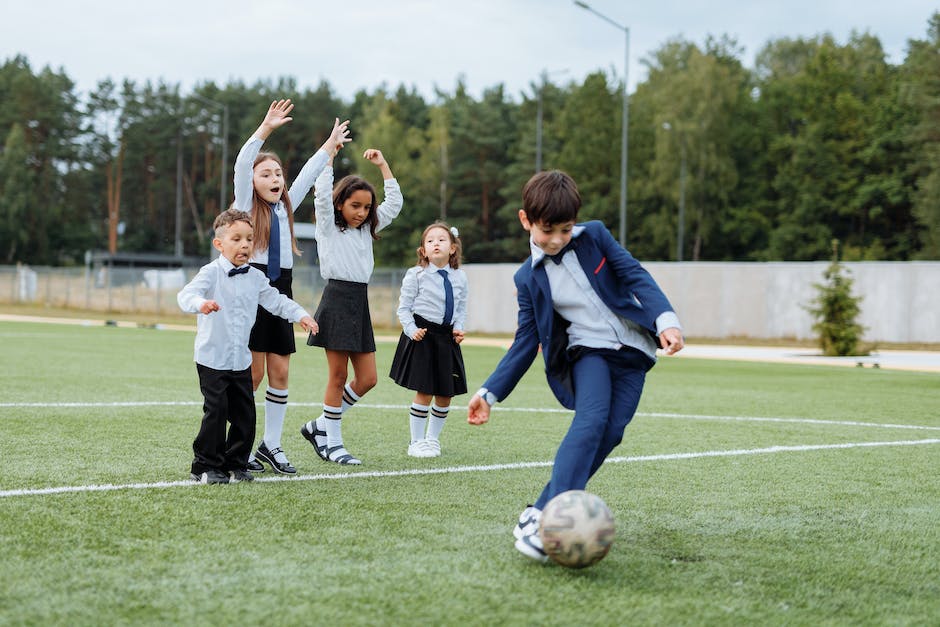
{"type": "Point", "coordinates": [553, 410]}
{"type": "Point", "coordinates": [460, 469]}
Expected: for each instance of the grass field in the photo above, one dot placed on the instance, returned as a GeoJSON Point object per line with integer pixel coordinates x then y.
{"type": "Point", "coordinates": [744, 494]}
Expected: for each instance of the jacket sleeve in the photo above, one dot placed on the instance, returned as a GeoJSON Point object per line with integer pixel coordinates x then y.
{"type": "Point", "coordinates": [515, 363]}
{"type": "Point", "coordinates": [633, 275]}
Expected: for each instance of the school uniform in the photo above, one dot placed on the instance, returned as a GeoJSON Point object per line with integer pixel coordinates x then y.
{"type": "Point", "coordinates": [433, 365]}
{"type": "Point", "coordinates": [346, 262]}
{"type": "Point", "coordinates": [595, 311]}
{"type": "Point", "coordinates": [272, 334]}
{"type": "Point", "coordinates": [223, 359]}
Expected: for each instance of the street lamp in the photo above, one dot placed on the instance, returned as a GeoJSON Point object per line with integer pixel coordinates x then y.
{"type": "Point", "coordinates": [626, 118]}
{"type": "Point", "coordinates": [538, 118]}
{"type": "Point", "coordinates": [680, 229]}
{"type": "Point", "coordinates": [223, 131]}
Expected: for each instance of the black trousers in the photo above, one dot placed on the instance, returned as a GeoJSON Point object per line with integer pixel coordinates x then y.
{"type": "Point", "coordinates": [228, 399]}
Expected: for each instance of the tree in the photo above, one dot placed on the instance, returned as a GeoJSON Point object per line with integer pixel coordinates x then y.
{"type": "Point", "coordinates": [836, 311]}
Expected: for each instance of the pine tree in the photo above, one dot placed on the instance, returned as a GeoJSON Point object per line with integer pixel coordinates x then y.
{"type": "Point", "coordinates": [836, 311]}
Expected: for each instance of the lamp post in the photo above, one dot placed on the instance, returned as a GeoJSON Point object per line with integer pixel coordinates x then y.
{"type": "Point", "coordinates": [538, 118]}
{"type": "Point", "coordinates": [223, 132]}
{"type": "Point", "coordinates": [680, 229]}
{"type": "Point", "coordinates": [626, 119]}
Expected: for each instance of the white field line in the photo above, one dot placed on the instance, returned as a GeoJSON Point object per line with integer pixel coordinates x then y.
{"type": "Point", "coordinates": [553, 410]}
{"type": "Point", "coordinates": [460, 469]}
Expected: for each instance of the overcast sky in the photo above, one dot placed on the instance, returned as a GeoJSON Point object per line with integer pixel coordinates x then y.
{"type": "Point", "coordinates": [356, 44]}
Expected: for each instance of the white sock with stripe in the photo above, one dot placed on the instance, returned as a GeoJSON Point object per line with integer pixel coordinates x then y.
{"type": "Point", "coordinates": [419, 421]}
{"type": "Point", "coordinates": [436, 422]}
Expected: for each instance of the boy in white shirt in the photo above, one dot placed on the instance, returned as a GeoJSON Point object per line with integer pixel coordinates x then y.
{"type": "Point", "coordinates": [233, 289]}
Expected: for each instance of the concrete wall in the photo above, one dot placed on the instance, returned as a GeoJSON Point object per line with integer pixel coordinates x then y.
{"type": "Point", "coordinates": [900, 300]}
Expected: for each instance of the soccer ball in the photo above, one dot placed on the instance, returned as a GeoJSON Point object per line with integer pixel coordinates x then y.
{"type": "Point", "coordinates": [577, 529]}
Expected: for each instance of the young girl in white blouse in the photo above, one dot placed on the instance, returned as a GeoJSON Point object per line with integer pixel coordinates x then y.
{"type": "Point", "coordinates": [432, 308]}
{"type": "Point", "coordinates": [348, 220]}
{"type": "Point", "coordinates": [260, 190]}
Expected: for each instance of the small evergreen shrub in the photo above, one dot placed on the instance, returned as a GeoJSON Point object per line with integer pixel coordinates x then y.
{"type": "Point", "coordinates": [836, 311]}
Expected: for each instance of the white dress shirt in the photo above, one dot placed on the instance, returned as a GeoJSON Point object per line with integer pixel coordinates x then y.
{"type": "Point", "coordinates": [347, 254]}
{"type": "Point", "coordinates": [222, 336]}
{"type": "Point", "coordinates": [593, 324]}
{"type": "Point", "coordinates": [244, 194]}
{"type": "Point", "coordinates": [422, 293]}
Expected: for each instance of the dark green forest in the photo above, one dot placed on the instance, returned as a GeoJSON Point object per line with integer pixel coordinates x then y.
{"type": "Point", "coordinates": [818, 141]}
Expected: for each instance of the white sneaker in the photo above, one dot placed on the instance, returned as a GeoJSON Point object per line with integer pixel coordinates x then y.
{"type": "Point", "coordinates": [528, 522]}
{"type": "Point", "coordinates": [531, 546]}
{"type": "Point", "coordinates": [418, 448]}
{"type": "Point", "coordinates": [432, 447]}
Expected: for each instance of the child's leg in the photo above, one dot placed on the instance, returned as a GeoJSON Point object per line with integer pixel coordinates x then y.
{"type": "Point", "coordinates": [209, 445]}
{"type": "Point", "coordinates": [626, 388]}
{"type": "Point", "coordinates": [438, 416]}
{"type": "Point", "coordinates": [240, 403]}
{"type": "Point", "coordinates": [330, 422]}
{"type": "Point", "coordinates": [419, 416]}
{"type": "Point", "coordinates": [257, 375]}
{"type": "Point", "coordinates": [578, 449]}
{"type": "Point", "coordinates": [275, 403]}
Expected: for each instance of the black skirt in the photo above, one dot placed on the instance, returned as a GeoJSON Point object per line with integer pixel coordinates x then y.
{"type": "Point", "coordinates": [343, 318]}
{"type": "Point", "coordinates": [273, 334]}
{"type": "Point", "coordinates": [432, 366]}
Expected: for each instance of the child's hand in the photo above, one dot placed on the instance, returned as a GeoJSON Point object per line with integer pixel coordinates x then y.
{"type": "Point", "coordinates": [209, 306]}
{"type": "Point", "coordinates": [375, 156]}
{"type": "Point", "coordinates": [419, 335]}
{"type": "Point", "coordinates": [671, 340]}
{"type": "Point", "coordinates": [338, 137]}
{"type": "Point", "coordinates": [309, 324]}
{"type": "Point", "coordinates": [458, 336]}
{"type": "Point", "coordinates": [478, 411]}
{"type": "Point", "coordinates": [277, 115]}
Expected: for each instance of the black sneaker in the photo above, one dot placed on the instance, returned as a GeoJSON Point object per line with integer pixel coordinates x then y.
{"type": "Point", "coordinates": [237, 476]}
{"type": "Point", "coordinates": [212, 477]}
{"type": "Point", "coordinates": [255, 466]}
{"type": "Point", "coordinates": [270, 457]}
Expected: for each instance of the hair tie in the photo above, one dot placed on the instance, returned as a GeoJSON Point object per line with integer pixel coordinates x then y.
{"type": "Point", "coordinates": [454, 232]}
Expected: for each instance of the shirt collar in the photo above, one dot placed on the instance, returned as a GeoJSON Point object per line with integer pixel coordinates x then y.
{"type": "Point", "coordinates": [434, 268]}
{"type": "Point", "coordinates": [538, 254]}
{"type": "Point", "coordinates": [226, 264]}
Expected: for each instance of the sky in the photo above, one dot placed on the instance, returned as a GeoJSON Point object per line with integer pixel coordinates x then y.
{"type": "Point", "coordinates": [422, 44]}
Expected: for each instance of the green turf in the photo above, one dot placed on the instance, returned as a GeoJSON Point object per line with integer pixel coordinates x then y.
{"type": "Point", "coordinates": [796, 537]}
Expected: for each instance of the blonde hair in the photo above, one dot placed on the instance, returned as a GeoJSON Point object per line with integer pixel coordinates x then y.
{"type": "Point", "coordinates": [454, 260]}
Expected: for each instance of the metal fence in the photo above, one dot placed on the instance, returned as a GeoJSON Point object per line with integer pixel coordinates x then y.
{"type": "Point", "coordinates": [151, 290]}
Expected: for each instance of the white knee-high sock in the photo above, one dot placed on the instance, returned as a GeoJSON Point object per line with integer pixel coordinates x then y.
{"type": "Point", "coordinates": [349, 398]}
{"type": "Point", "coordinates": [436, 422]}
{"type": "Point", "coordinates": [333, 425]}
{"type": "Point", "coordinates": [418, 420]}
{"type": "Point", "coordinates": [275, 408]}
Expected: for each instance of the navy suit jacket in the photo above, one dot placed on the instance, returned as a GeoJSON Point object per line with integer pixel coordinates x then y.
{"type": "Point", "coordinates": [617, 278]}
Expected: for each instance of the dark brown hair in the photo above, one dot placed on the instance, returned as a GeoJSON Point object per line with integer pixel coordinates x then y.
{"type": "Point", "coordinates": [342, 191]}
{"type": "Point", "coordinates": [261, 210]}
{"type": "Point", "coordinates": [228, 218]}
{"type": "Point", "coordinates": [551, 197]}
{"type": "Point", "coordinates": [454, 260]}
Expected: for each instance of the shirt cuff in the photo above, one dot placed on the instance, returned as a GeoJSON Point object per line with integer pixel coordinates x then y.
{"type": "Point", "coordinates": [487, 396]}
{"type": "Point", "coordinates": [667, 320]}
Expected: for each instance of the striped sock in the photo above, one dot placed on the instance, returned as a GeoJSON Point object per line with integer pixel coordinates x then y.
{"type": "Point", "coordinates": [333, 427]}
{"type": "Point", "coordinates": [349, 398]}
{"type": "Point", "coordinates": [275, 408]}
{"type": "Point", "coordinates": [436, 423]}
{"type": "Point", "coordinates": [419, 421]}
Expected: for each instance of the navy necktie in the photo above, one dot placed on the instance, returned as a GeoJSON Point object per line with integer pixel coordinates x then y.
{"type": "Point", "coordinates": [274, 248]}
{"type": "Point", "coordinates": [448, 297]}
{"type": "Point", "coordinates": [243, 270]}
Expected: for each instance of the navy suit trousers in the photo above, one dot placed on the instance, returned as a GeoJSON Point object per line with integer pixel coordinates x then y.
{"type": "Point", "coordinates": [607, 389]}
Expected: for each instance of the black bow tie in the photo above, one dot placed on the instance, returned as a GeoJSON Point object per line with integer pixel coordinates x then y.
{"type": "Point", "coordinates": [243, 270]}
{"type": "Point", "coordinates": [561, 253]}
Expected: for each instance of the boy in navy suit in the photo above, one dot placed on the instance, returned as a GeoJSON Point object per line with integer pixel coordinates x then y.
{"type": "Point", "coordinates": [597, 314]}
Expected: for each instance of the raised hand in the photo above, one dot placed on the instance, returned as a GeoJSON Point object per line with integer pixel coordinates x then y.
{"type": "Point", "coordinates": [278, 115]}
{"type": "Point", "coordinates": [375, 156]}
{"type": "Point", "coordinates": [338, 137]}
